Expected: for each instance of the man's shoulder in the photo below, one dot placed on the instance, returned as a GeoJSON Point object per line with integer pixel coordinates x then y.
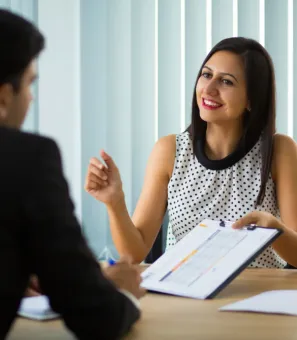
{"type": "Point", "coordinates": [25, 142]}
{"type": "Point", "coordinates": [25, 157]}
{"type": "Point", "coordinates": [26, 150]}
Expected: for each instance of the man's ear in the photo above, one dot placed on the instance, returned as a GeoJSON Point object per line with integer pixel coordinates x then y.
{"type": "Point", "coordinates": [6, 96]}
{"type": "Point", "coordinates": [248, 107]}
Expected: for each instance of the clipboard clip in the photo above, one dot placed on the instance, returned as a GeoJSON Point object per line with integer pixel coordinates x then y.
{"type": "Point", "coordinates": [248, 227]}
{"type": "Point", "coordinates": [251, 227]}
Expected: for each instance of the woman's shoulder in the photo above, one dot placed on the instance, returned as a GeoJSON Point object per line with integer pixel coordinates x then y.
{"type": "Point", "coordinates": [281, 142]}
{"type": "Point", "coordinates": [165, 150]}
{"type": "Point", "coordinates": [283, 147]}
{"type": "Point", "coordinates": [170, 142]}
{"type": "Point", "coordinates": [163, 154]}
{"type": "Point", "coordinates": [284, 150]}
{"type": "Point", "coordinates": [166, 143]}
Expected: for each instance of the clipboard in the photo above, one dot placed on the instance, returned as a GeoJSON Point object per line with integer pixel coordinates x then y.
{"type": "Point", "coordinates": [207, 259]}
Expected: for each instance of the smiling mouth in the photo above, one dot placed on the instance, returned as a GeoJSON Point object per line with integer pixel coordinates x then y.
{"type": "Point", "coordinates": [210, 104]}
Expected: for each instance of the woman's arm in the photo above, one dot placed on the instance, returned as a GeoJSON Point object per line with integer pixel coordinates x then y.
{"type": "Point", "coordinates": [135, 237]}
{"type": "Point", "coordinates": [284, 173]}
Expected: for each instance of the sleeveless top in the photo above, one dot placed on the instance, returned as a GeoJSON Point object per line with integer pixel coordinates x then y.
{"type": "Point", "coordinates": [217, 189]}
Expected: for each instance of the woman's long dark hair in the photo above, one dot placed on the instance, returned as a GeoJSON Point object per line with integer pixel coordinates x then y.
{"type": "Point", "coordinates": [260, 82]}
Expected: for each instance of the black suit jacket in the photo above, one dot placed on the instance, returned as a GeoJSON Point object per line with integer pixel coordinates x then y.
{"type": "Point", "coordinates": [40, 234]}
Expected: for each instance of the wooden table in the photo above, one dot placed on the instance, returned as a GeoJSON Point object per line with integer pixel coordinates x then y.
{"type": "Point", "coordinates": [168, 317]}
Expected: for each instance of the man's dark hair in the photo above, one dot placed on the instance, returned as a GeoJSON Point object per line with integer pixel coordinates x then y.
{"type": "Point", "coordinates": [20, 43]}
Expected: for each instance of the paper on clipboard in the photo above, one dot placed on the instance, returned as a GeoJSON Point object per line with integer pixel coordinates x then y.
{"type": "Point", "coordinates": [206, 259]}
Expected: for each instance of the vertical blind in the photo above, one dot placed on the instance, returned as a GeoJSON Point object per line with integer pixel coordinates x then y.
{"type": "Point", "coordinates": [138, 63]}
{"type": "Point", "coordinates": [140, 60]}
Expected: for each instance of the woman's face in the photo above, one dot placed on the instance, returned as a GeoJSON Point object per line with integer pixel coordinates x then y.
{"type": "Point", "coordinates": [221, 88]}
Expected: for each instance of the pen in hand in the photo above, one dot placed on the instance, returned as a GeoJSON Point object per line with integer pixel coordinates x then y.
{"type": "Point", "coordinates": [111, 262]}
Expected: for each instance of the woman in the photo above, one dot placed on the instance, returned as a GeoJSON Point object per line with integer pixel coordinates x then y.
{"type": "Point", "coordinates": [228, 163]}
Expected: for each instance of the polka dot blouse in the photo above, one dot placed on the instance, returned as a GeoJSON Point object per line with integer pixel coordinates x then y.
{"type": "Point", "coordinates": [217, 189]}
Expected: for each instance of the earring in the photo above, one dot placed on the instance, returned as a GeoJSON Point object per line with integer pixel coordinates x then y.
{"type": "Point", "coordinates": [249, 109]}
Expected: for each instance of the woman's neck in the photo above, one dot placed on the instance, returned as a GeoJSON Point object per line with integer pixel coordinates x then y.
{"type": "Point", "coordinates": [221, 141]}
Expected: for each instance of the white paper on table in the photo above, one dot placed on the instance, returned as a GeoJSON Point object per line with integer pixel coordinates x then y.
{"type": "Point", "coordinates": [274, 301]}
{"type": "Point", "coordinates": [37, 308]}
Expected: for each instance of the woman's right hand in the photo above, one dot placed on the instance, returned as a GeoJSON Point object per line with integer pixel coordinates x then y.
{"type": "Point", "coordinates": [104, 182]}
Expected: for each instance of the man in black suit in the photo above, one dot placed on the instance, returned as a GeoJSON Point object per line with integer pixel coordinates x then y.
{"type": "Point", "coordinates": [39, 233]}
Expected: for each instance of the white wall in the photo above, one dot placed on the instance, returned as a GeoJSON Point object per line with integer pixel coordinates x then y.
{"type": "Point", "coordinates": [59, 84]}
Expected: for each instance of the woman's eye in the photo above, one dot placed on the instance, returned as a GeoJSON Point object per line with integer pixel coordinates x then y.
{"type": "Point", "coordinates": [227, 82]}
{"type": "Point", "coordinates": [206, 75]}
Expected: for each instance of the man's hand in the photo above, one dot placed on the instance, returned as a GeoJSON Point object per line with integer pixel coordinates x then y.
{"type": "Point", "coordinates": [125, 276]}
{"type": "Point", "coordinates": [33, 287]}
{"type": "Point", "coordinates": [260, 218]}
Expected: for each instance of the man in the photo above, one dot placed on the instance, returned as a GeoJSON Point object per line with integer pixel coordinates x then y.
{"type": "Point", "coordinates": [39, 234]}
